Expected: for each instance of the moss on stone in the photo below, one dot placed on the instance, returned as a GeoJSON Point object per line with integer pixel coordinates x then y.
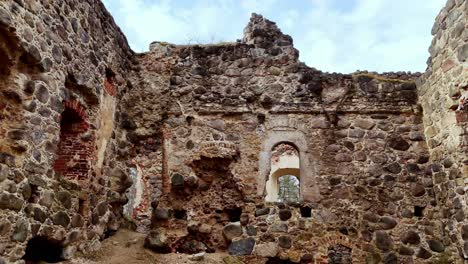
{"type": "Point", "coordinates": [381, 78]}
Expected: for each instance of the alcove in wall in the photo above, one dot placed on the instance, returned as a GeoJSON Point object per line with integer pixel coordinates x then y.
{"type": "Point", "coordinates": [75, 146]}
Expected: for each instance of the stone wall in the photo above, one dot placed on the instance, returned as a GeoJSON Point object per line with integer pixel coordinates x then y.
{"type": "Point", "coordinates": [56, 57]}
{"type": "Point", "coordinates": [220, 109]}
{"type": "Point", "coordinates": [178, 142]}
{"type": "Point", "coordinates": [443, 95]}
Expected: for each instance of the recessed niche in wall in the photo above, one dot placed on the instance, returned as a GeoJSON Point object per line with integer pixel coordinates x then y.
{"type": "Point", "coordinates": [41, 248]}
{"type": "Point", "coordinates": [419, 211]}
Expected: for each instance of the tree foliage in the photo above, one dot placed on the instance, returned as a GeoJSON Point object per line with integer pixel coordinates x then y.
{"type": "Point", "coordinates": [288, 189]}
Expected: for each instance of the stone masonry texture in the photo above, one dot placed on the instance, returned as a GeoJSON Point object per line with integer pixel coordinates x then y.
{"type": "Point", "coordinates": [182, 138]}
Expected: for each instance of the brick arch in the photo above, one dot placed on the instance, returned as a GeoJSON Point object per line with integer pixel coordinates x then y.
{"type": "Point", "coordinates": [324, 243]}
{"type": "Point", "coordinates": [75, 148]}
{"type": "Point", "coordinates": [75, 105]}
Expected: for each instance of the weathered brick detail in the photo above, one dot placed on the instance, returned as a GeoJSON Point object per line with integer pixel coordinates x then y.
{"type": "Point", "coordinates": [76, 147]}
{"type": "Point", "coordinates": [381, 180]}
{"type": "Point", "coordinates": [109, 86]}
{"type": "Point", "coordinates": [324, 243]}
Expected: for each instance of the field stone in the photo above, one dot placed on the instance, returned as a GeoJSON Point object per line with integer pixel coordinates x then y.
{"type": "Point", "coordinates": [262, 211]}
{"type": "Point", "coordinates": [383, 240]}
{"type": "Point", "coordinates": [269, 249]}
{"type": "Point", "coordinates": [61, 218]}
{"type": "Point", "coordinates": [20, 231]}
{"type": "Point", "coordinates": [423, 253]}
{"type": "Point", "coordinates": [390, 258]}
{"type": "Point", "coordinates": [388, 222]}
{"type": "Point", "coordinates": [364, 123]}
{"type": "Point", "coordinates": [42, 94]}
{"type": "Point", "coordinates": [157, 241]}
{"type": "Point", "coordinates": [10, 201]}
{"type": "Point", "coordinates": [232, 230]}
{"type": "Point", "coordinates": [411, 237]}
{"type": "Point", "coordinates": [284, 241]}
{"type": "Point", "coordinates": [398, 143]}
{"type": "Point", "coordinates": [197, 257]}
{"type": "Point", "coordinates": [242, 247]}
{"type": "Point", "coordinates": [436, 245]}
{"type": "Point", "coordinates": [177, 180]}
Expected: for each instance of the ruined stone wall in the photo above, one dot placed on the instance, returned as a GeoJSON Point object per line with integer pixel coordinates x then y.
{"type": "Point", "coordinates": [56, 122]}
{"type": "Point", "coordinates": [444, 97]}
{"type": "Point", "coordinates": [215, 112]}
{"type": "Point", "coordinates": [183, 137]}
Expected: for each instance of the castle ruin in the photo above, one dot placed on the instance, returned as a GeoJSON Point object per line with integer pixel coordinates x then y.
{"type": "Point", "coordinates": [187, 144]}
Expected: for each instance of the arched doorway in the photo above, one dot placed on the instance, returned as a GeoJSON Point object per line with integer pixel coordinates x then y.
{"type": "Point", "coordinates": [284, 178]}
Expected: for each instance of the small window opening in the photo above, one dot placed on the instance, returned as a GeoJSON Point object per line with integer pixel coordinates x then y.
{"type": "Point", "coordinates": [234, 214]}
{"type": "Point", "coordinates": [34, 194]}
{"type": "Point", "coordinates": [180, 214]}
{"type": "Point", "coordinates": [306, 211]}
{"type": "Point", "coordinates": [419, 211]}
{"type": "Point", "coordinates": [189, 120]}
{"type": "Point", "coordinates": [44, 249]}
{"type": "Point", "coordinates": [83, 207]}
{"type": "Point", "coordinates": [339, 254]}
{"type": "Point", "coordinates": [261, 118]}
{"type": "Point", "coordinates": [109, 73]}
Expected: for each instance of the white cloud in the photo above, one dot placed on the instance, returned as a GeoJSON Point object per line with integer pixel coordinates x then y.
{"type": "Point", "coordinates": [331, 35]}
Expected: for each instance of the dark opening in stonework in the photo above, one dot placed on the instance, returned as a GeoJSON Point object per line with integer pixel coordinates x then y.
{"type": "Point", "coordinates": [306, 211]}
{"type": "Point", "coordinates": [41, 249]}
{"type": "Point", "coordinates": [6, 64]}
{"type": "Point", "coordinates": [180, 214]}
{"type": "Point", "coordinates": [75, 146]}
{"type": "Point", "coordinates": [34, 198]}
{"type": "Point", "coordinates": [83, 207]}
{"type": "Point", "coordinates": [419, 211]}
{"type": "Point", "coordinates": [109, 83]}
{"type": "Point", "coordinates": [234, 214]}
{"type": "Point", "coordinates": [189, 120]}
{"type": "Point", "coordinates": [339, 254]}
{"type": "Point", "coordinates": [8, 45]}
{"type": "Point", "coordinates": [261, 118]}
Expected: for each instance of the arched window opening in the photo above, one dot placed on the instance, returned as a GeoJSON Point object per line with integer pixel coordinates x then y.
{"type": "Point", "coordinates": [283, 183]}
{"type": "Point", "coordinates": [75, 146]}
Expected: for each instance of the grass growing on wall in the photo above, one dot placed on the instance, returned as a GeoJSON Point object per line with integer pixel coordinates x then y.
{"type": "Point", "coordinates": [381, 78]}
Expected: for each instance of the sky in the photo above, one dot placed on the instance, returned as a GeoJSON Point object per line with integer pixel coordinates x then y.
{"type": "Point", "coordinates": [331, 35]}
